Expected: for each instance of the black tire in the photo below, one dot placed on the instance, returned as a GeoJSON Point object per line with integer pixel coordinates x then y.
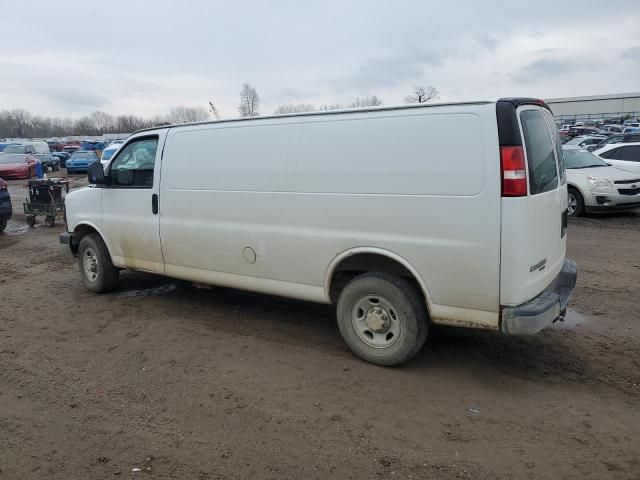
{"type": "Point", "coordinates": [50, 221]}
{"type": "Point", "coordinates": [578, 210]}
{"type": "Point", "coordinates": [406, 308]}
{"type": "Point", "coordinates": [106, 275]}
{"type": "Point", "coordinates": [31, 220]}
{"type": "Point", "coordinates": [3, 224]}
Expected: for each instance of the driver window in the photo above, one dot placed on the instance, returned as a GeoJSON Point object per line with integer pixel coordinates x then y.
{"type": "Point", "coordinates": [133, 167]}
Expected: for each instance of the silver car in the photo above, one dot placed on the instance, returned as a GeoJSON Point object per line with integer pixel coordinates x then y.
{"type": "Point", "coordinates": [595, 186]}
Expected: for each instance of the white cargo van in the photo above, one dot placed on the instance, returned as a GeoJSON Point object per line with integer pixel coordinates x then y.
{"type": "Point", "coordinates": [402, 217]}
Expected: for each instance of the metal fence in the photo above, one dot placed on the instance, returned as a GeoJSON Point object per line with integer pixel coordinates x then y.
{"type": "Point", "coordinates": [608, 118]}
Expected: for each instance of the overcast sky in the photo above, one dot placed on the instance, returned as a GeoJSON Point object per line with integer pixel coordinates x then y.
{"type": "Point", "coordinates": [69, 57]}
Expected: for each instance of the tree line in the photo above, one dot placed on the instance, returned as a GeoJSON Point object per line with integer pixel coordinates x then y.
{"type": "Point", "coordinates": [19, 123]}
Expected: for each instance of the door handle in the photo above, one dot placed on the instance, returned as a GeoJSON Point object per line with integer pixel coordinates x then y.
{"type": "Point", "coordinates": [154, 203]}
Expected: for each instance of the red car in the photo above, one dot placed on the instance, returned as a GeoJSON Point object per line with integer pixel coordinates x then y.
{"type": "Point", "coordinates": [17, 161]}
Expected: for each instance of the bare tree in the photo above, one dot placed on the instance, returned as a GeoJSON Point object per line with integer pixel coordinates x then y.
{"type": "Point", "coordinates": [182, 114]}
{"type": "Point", "coordinates": [291, 108]}
{"type": "Point", "coordinates": [102, 122]}
{"type": "Point", "coordinates": [214, 110]}
{"type": "Point", "coordinates": [361, 102]}
{"type": "Point", "coordinates": [422, 95]}
{"type": "Point", "coordinates": [249, 102]}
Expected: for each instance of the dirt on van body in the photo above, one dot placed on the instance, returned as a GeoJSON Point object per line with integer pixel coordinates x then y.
{"type": "Point", "coordinates": [185, 383]}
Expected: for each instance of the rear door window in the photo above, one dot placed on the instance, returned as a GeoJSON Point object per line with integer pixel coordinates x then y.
{"type": "Point", "coordinates": [630, 153]}
{"type": "Point", "coordinates": [612, 154]}
{"type": "Point", "coordinates": [541, 158]}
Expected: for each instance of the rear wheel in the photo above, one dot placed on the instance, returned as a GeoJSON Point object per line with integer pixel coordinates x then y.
{"type": "Point", "coordinates": [382, 318]}
{"type": "Point", "coordinates": [575, 207]}
{"type": "Point", "coordinates": [31, 220]}
{"type": "Point", "coordinates": [97, 271]}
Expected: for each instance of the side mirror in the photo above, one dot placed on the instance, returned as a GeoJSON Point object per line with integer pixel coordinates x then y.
{"type": "Point", "coordinates": [96, 174]}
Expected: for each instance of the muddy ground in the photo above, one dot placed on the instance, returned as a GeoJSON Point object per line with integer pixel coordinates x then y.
{"type": "Point", "coordinates": [189, 383]}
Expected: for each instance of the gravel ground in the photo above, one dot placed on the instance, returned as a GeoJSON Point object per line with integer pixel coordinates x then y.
{"type": "Point", "coordinates": [182, 382]}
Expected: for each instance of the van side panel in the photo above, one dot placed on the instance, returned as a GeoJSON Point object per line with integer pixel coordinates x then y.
{"type": "Point", "coordinates": [414, 155]}
{"type": "Point", "coordinates": [301, 191]}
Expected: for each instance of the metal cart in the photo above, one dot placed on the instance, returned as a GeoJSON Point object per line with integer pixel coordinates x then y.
{"type": "Point", "coordinates": [45, 198]}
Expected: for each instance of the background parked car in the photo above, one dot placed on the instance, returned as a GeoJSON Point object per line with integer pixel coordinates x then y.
{"type": "Point", "coordinates": [580, 131]}
{"type": "Point", "coordinates": [5, 205]}
{"type": "Point", "coordinates": [621, 155]}
{"type": "Point", "coordinates": [63, 157]}
{"type": "Point", "coordinates": [17, 161]}
{"type": "Point", "coordinates": [583, 142]}
{"type": "Point", "coordinates": [43, 154]}
{"type": "Point", "coordinates": [612, 128]}
{"type": "Point", "coordinates": [80, 161]}
{"type": "Point", "coordinates": [595, 186]}
{"type": "Point", "coordinates": [614, 139]}
{"type": "Point", "coordinates": [107, 153]}
{"type": "Point", "coordinates": [71, 148]}
{"type": "Point", "coordinates": [55, 146]}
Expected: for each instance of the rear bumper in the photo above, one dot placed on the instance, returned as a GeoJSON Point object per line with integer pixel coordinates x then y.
{"type": "Point", "coordinates": [534, 315]}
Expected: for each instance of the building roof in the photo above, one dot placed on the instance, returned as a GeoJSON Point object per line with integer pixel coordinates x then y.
{"type": "Point", "coordinates": [591, 98]}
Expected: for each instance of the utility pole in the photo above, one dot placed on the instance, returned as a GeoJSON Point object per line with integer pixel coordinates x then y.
{"type": "Point", "coordinates": [214, 110]}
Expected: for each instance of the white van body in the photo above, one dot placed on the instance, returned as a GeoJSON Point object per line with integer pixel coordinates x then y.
{"type": "Point", "coordinates": [292, 205]}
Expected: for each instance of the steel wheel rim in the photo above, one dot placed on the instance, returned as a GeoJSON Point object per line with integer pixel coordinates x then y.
{"type": "Point", "coordinates": [573, 204]}
{"type": "Point", "coordinates": [376, 321]}
{"type": "Point", "coordinates": [90, 264]}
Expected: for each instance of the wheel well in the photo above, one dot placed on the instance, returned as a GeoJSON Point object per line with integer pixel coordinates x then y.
{"type": "Point", "coordinates": [359, 263]}
{"type": "Point", "coordinates": [80, 232]}
{"type": "Point", "coordinates": [575, 188]}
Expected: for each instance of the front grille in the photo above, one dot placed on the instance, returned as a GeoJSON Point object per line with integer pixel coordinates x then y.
{"type": "Point", "coordinates": [625, 182]}
{"type": "Point", "coordinates": [629, 191]}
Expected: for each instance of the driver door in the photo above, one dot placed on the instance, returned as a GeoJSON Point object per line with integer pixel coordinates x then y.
{"type": "Point", "coordinates": [130, 215]}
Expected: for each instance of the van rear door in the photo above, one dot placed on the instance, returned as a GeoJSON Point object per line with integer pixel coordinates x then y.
{"type": "Point", "coordinates": [533, 232]}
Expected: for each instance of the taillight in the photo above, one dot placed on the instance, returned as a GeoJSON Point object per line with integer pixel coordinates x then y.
{"type": "Point", "coordinates": [514, 172]}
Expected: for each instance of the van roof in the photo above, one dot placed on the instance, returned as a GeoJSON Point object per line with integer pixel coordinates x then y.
{"type": "Point", "coordinates": [516, 101]}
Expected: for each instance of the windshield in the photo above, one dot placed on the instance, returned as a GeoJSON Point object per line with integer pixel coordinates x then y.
{"type": "Point", "coordinates": [15, 149]}
{"type": "Point", "coordinates": [11, 159]}
{"type": "Point", "coordinates": [83, 156]}
{"type": "Point", "coordinates": [580, 159]}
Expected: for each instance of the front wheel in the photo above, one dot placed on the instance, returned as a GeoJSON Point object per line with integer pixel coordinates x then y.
{"type": "Point", "coordinates": [98, 273]}
{"type": "Point", "coordinates": [382, 318]}
{"type": "Point", "coordinates": [575, 207]}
